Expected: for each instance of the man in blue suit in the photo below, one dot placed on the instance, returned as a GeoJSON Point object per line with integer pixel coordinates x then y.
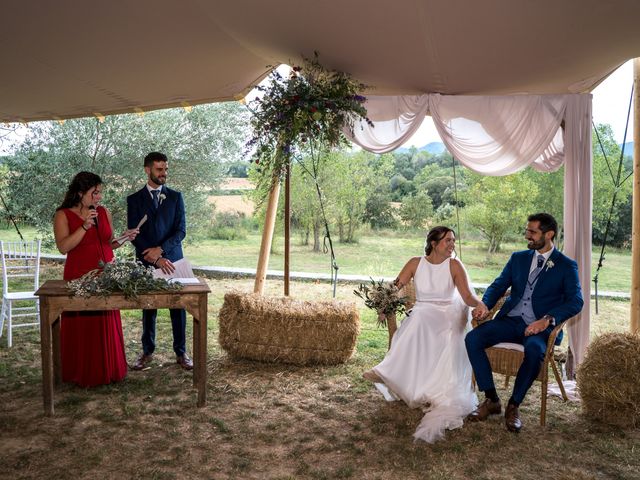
{"type": "Point", "coordinates": [159, 244]}
{"type": "Point", "coordinates": [545, 291]}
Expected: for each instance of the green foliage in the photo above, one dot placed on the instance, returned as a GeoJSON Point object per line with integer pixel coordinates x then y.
{"type": "Point", "coordinates": [605, 178]}
{"type": "Point", "coordinates": [498, 206]}
{"type": "Point", "coordinates": [416, 210]}
{"type": "Point", "coordinates": [195, 142]}
{"type": "Point", "coordinates": [130, 277]}
{"type": "Point", "coordinates": [230, 226]}
{"type": "Point", "coordinates": [311, 106]}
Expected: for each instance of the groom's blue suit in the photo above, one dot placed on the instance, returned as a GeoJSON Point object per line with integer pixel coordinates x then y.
{"type": "Point", "coordinates": [556, 293]}
{"type": "Point", "coordinates": [165, 227]}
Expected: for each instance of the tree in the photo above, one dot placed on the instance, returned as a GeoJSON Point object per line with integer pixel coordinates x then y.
{"type": "Point", "coordinates": [497, 206]}
{"type": "Point", "coordinates": [416, 210]}
{"type": "Point", "coordinates": [196, 143]}
{"type": "Point", "coordinates": [605, 179]}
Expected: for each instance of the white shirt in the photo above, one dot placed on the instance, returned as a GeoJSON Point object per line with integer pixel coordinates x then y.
{"type": "Point", "coordinates": [149, 189]}
{"type": "Point", "coordinates": [534, 261]}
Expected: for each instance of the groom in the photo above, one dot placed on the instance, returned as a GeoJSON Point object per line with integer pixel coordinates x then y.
{"type": "Point", "coordinates": [545, 291]}
{"type": "Point", "coordinates": [159, 244]}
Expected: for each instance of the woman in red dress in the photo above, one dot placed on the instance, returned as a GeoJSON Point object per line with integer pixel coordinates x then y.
{"type": "Point", "coordinates": [91, 343]}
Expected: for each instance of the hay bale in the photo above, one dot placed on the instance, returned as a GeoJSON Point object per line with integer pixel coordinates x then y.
{"type": "Point", "coordinates": [609, 379]}
{"type": "Point", "coordinates": [287, 330]}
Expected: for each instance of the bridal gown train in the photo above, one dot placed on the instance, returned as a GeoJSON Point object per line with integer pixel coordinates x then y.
{"type": "Point", "coordinates": [427, 362]}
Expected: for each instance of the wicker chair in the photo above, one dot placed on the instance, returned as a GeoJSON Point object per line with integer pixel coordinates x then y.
{"type": "Point", "coordinates": [506, 358]}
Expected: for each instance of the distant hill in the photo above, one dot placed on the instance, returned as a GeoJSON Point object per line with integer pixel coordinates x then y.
{"type": "Point", "coordinates": [434, 148]}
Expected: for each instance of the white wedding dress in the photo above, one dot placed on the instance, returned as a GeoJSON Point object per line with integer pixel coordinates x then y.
{"type": "Point", "coordinates": [427, 362]}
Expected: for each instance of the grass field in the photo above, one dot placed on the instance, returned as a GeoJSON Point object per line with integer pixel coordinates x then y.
{"type": "Point", "coordinates": [272, 421]}
{"type": "Point", "coordinates": [376, 254]}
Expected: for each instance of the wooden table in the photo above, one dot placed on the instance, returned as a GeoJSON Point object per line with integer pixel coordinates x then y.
{"type": "Point", "coordinates": [55, 298]}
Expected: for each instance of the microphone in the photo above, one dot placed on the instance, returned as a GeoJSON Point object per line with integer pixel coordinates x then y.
{"type": "Point", "coordinates": [95, 219]}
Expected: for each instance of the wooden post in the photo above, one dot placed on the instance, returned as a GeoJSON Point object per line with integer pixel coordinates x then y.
{"type": "Point", "coordinates": [635, 228]}
{"type": "Point", "coordinates": [267, 237]}
{"type": "Point", "coordinates": [287, 226]}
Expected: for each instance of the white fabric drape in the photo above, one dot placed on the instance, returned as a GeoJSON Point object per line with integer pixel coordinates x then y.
{"type": "Point", "coordinates": [500, 135]}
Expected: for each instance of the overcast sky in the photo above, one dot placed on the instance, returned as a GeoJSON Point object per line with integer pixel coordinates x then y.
{"type": "Point", "coordinates": [610, 105]}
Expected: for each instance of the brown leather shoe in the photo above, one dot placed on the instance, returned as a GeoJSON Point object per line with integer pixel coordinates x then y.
{"type": "Point", "coordinates": [142, 361]}
{"type": "Point", "coordinates": [512, 418]}
{"type": "Point", "coordinates": [486, 408]}
{"type": "Point", "coordinates": [185, 362]}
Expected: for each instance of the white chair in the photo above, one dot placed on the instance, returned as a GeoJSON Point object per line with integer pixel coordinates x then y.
{"type": "Point", "coordinates": [21, 266]}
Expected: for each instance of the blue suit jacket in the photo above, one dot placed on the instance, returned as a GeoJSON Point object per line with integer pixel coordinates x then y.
{"type": "Point", "coordinates": [557, 292]}
{"type": "Point", "coordinates": [165, 227]}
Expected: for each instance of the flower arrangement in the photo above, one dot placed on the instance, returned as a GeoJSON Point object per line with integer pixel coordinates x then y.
{"type": "Point", "coordinates": [382, 297]}
{"type": "Point", "coordinates": [130, 277]}
{"type": "Point", "coordinates": [549, 265]}
{"type": "Point", "coordinates": [307, 110]}
{"type": "Point", "coordinates": [162, 197]}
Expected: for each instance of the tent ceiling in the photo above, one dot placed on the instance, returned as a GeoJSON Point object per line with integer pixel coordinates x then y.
{"type": "Point", "coordinates": [68, 59]}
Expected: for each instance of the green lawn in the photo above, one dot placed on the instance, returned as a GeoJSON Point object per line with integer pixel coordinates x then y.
{"type": "Point", "coordinates": [375, 255]}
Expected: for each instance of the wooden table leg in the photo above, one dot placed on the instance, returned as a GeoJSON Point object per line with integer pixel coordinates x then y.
{"type": "Point", "coordinates": [195, 350]}
{"type": "Point", "coordinates": [47, 360]}
{"type": "Point", "coordinates": [202, 351]}
{"type": "Point", "coordinates": [57, 354]}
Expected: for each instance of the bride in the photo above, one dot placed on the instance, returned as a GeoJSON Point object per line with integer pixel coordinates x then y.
{"type": "Point", "coordinates": [427, 364]}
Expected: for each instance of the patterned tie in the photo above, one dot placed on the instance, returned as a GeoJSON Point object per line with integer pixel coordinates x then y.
{"type": "Point", "coordinates": [155, 194]}
{"type": "Point", "coordinates": [536, 271]}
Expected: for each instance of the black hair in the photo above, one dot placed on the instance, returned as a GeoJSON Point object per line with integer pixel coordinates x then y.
{"type": "Point", "coordinates": [154, 157]}
{"type": "Point", "coordinates": [80, 184]}
{"type": "Point", "coordinates": [435, 235]}
{"type": "Point", "coordinates": [547, 222]}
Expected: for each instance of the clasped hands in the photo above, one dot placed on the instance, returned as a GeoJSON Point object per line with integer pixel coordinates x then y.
{"type": "Point", "coordinates": [154, 255]}
{"type": "Point", "coordinates": [480, 312]}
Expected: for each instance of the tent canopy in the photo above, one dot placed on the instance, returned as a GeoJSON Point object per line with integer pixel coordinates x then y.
{"type": "Point", "coordinates": [68, 59]}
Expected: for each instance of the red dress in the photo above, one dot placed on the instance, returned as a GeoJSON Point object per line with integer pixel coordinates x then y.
{"type": "Point", "coordinates": [91, 343]}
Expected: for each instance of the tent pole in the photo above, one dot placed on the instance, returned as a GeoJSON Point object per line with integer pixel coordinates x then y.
{"type": "Point", "coordinates": [635, 229]}
{"type": "Point", "coordinates": [287, 228]}
{"type": "Point", "coordinates": [267, 236]}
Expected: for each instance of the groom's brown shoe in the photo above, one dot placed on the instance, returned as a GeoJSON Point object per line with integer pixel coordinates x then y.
{"type": "Point", "coordinates": [512, 418]}
{"type": "Point", "coordinates": [485, 409]}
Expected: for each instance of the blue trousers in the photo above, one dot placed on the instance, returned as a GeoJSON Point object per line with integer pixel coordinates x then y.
{"type": "Point", "coordinates": [178, 325]}
{"type": "Point", "coordinates": [506, 329]}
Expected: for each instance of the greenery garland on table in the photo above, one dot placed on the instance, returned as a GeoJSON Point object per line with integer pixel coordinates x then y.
{"type": "Point", "coordinates": [130, 277]}
{"type": "Point", "coordinates": [304, 112]}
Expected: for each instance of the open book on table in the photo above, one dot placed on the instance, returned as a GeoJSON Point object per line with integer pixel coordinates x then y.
{"type": "Point", "coordinates": [182, 274]}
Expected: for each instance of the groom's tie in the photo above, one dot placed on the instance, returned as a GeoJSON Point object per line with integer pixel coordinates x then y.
{"type": "Point", "coordinates": [536, 271]}
{"type": "Point", "coordinates": [155, 194]}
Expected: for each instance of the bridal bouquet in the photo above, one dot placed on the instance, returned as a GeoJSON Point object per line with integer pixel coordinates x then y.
{"type": "Point", "coordinates": [130, 277]}
{"type": "Point", "coordinates": [383, 297]}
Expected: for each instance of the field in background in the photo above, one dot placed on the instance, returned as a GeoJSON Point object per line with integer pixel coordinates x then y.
{"type": "Point", "coordinates": [377, 254]}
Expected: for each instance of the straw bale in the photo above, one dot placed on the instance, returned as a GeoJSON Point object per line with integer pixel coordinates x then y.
{"type": "Point", "coordinates": [286, 330]}
{"type": "Point", "coordinates": [609, 379]}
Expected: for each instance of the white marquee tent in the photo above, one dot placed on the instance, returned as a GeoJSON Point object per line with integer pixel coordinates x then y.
{"type": "Point", "coordinates": [68, 59]}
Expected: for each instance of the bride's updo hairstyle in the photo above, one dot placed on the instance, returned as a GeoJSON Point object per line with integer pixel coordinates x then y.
{"type": "Point", "coordinates": [435, 235]}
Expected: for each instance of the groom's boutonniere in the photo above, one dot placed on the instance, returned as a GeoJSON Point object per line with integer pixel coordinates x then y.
{"type": "Point", "coordinates": [163, 196]}
{"type": "Point", "coordinates": [549, 265]}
